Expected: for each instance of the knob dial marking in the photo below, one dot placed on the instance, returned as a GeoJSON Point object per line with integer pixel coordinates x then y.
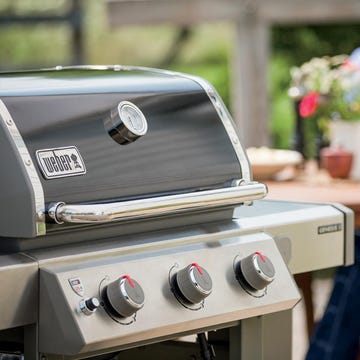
{"type": "Point", "coordinates": [192, 283]}
{"type": "Point", "coordinates": [124, 296]}
{"type": "Point", "coordinates": [255, 272]}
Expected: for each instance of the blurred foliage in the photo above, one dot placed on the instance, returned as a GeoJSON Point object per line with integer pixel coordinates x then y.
{"type": "Point", "coordinates": [28, 7]}
{"type": "Point", "coordinates": [24, 46]}
{"type": "Point", "coordinates": [300, 43]}
{"type": "Point", "coordinates": [21, 48]}
{"type": "Point", "coordinates": [206, 52]}
{"type": "Point", "coordinates": [282, 111]}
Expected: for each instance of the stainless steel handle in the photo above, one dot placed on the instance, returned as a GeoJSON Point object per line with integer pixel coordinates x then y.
{"type": "Point", "coordinates": [103, 213]}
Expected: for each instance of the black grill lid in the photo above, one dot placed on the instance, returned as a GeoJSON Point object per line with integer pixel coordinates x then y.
{"type": "Point", "coordinates": [71, 116]}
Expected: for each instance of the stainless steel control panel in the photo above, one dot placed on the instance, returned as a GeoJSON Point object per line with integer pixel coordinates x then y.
{"type": "Point", "coordinates": [168, 290]}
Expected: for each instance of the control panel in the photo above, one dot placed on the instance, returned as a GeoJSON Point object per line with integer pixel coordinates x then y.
{"type": "Point", "coordinates": [161, 291]}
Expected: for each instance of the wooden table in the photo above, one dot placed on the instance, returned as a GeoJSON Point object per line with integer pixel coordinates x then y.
{"type": "Point", "coordinates": [314, 185]}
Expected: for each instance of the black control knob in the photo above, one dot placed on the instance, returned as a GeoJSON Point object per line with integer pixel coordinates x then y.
{"type": "Point", "coordinates": [125, 296]}
{"type": "Point", "coordinates": [193, 283]}
{"type": "Point", "coordinates": [256, 271]}
{"type": "Point", "coordinates": [89, 306]}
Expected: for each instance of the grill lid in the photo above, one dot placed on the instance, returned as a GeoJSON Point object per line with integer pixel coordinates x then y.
{"type": "Point", "coordinates": [113, 135]}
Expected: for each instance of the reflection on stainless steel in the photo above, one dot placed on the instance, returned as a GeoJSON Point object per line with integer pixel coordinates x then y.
{"type": "Point", "coordinates": [33, 177]}
{"type": "Point", "coordinates": [259, 271]}
{"type": "Point", "coordinates": [213, 95]}
{"type": "Point", "coordinates": [101, 213]}
{"type": "Point", "coordinates": [228, 123]}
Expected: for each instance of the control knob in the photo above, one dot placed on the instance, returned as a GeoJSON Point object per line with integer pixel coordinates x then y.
{"type": "Point", "coordinates": [89, 306]}
{"type": "Point", "coordinates": [256, 271]}
{"type": "Point", "coordinates": [192, 283]}
{"type": "Point", "coordinates": [124, 296]}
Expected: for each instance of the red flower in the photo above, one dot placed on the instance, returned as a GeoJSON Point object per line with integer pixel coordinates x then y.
{"type": "Point", "coordinates": [350, 65]}
{"type": "Point", "coordinates": [308, 104]}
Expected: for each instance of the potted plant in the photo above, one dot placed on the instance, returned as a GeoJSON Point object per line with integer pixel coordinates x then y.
{"type": "Point", "coordinates": [328, 91]}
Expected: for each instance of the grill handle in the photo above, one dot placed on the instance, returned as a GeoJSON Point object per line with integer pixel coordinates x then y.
{"type": "Point", "coordinates": [110, 212]}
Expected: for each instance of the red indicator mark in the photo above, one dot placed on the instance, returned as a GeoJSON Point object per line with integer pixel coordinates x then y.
{"type": "Point", "coordinates": [262, 257]}
{"type": "Point", "coordinates": [197, 267]}
{"type": "Point", "coordinates": [129, 279]}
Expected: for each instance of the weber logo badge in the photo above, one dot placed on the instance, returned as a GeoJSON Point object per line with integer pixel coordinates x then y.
{"type": "Point", "coordinates": [77, 285]}
{"type": "Point", "coordinates": [60, 162]}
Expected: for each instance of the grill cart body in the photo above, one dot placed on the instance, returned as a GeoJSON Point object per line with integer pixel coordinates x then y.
{"type": "Point", "coordinates": [129, 219]}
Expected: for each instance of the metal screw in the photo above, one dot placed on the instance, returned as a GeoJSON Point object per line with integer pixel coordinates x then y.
{"type": "Point", "coordinates": [28, 162]}
{"type": "Point", "coordinates": [9, 122]}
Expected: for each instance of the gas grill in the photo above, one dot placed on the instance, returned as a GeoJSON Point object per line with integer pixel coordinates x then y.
{"type": "Point", "coordinates": [130, 219]}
